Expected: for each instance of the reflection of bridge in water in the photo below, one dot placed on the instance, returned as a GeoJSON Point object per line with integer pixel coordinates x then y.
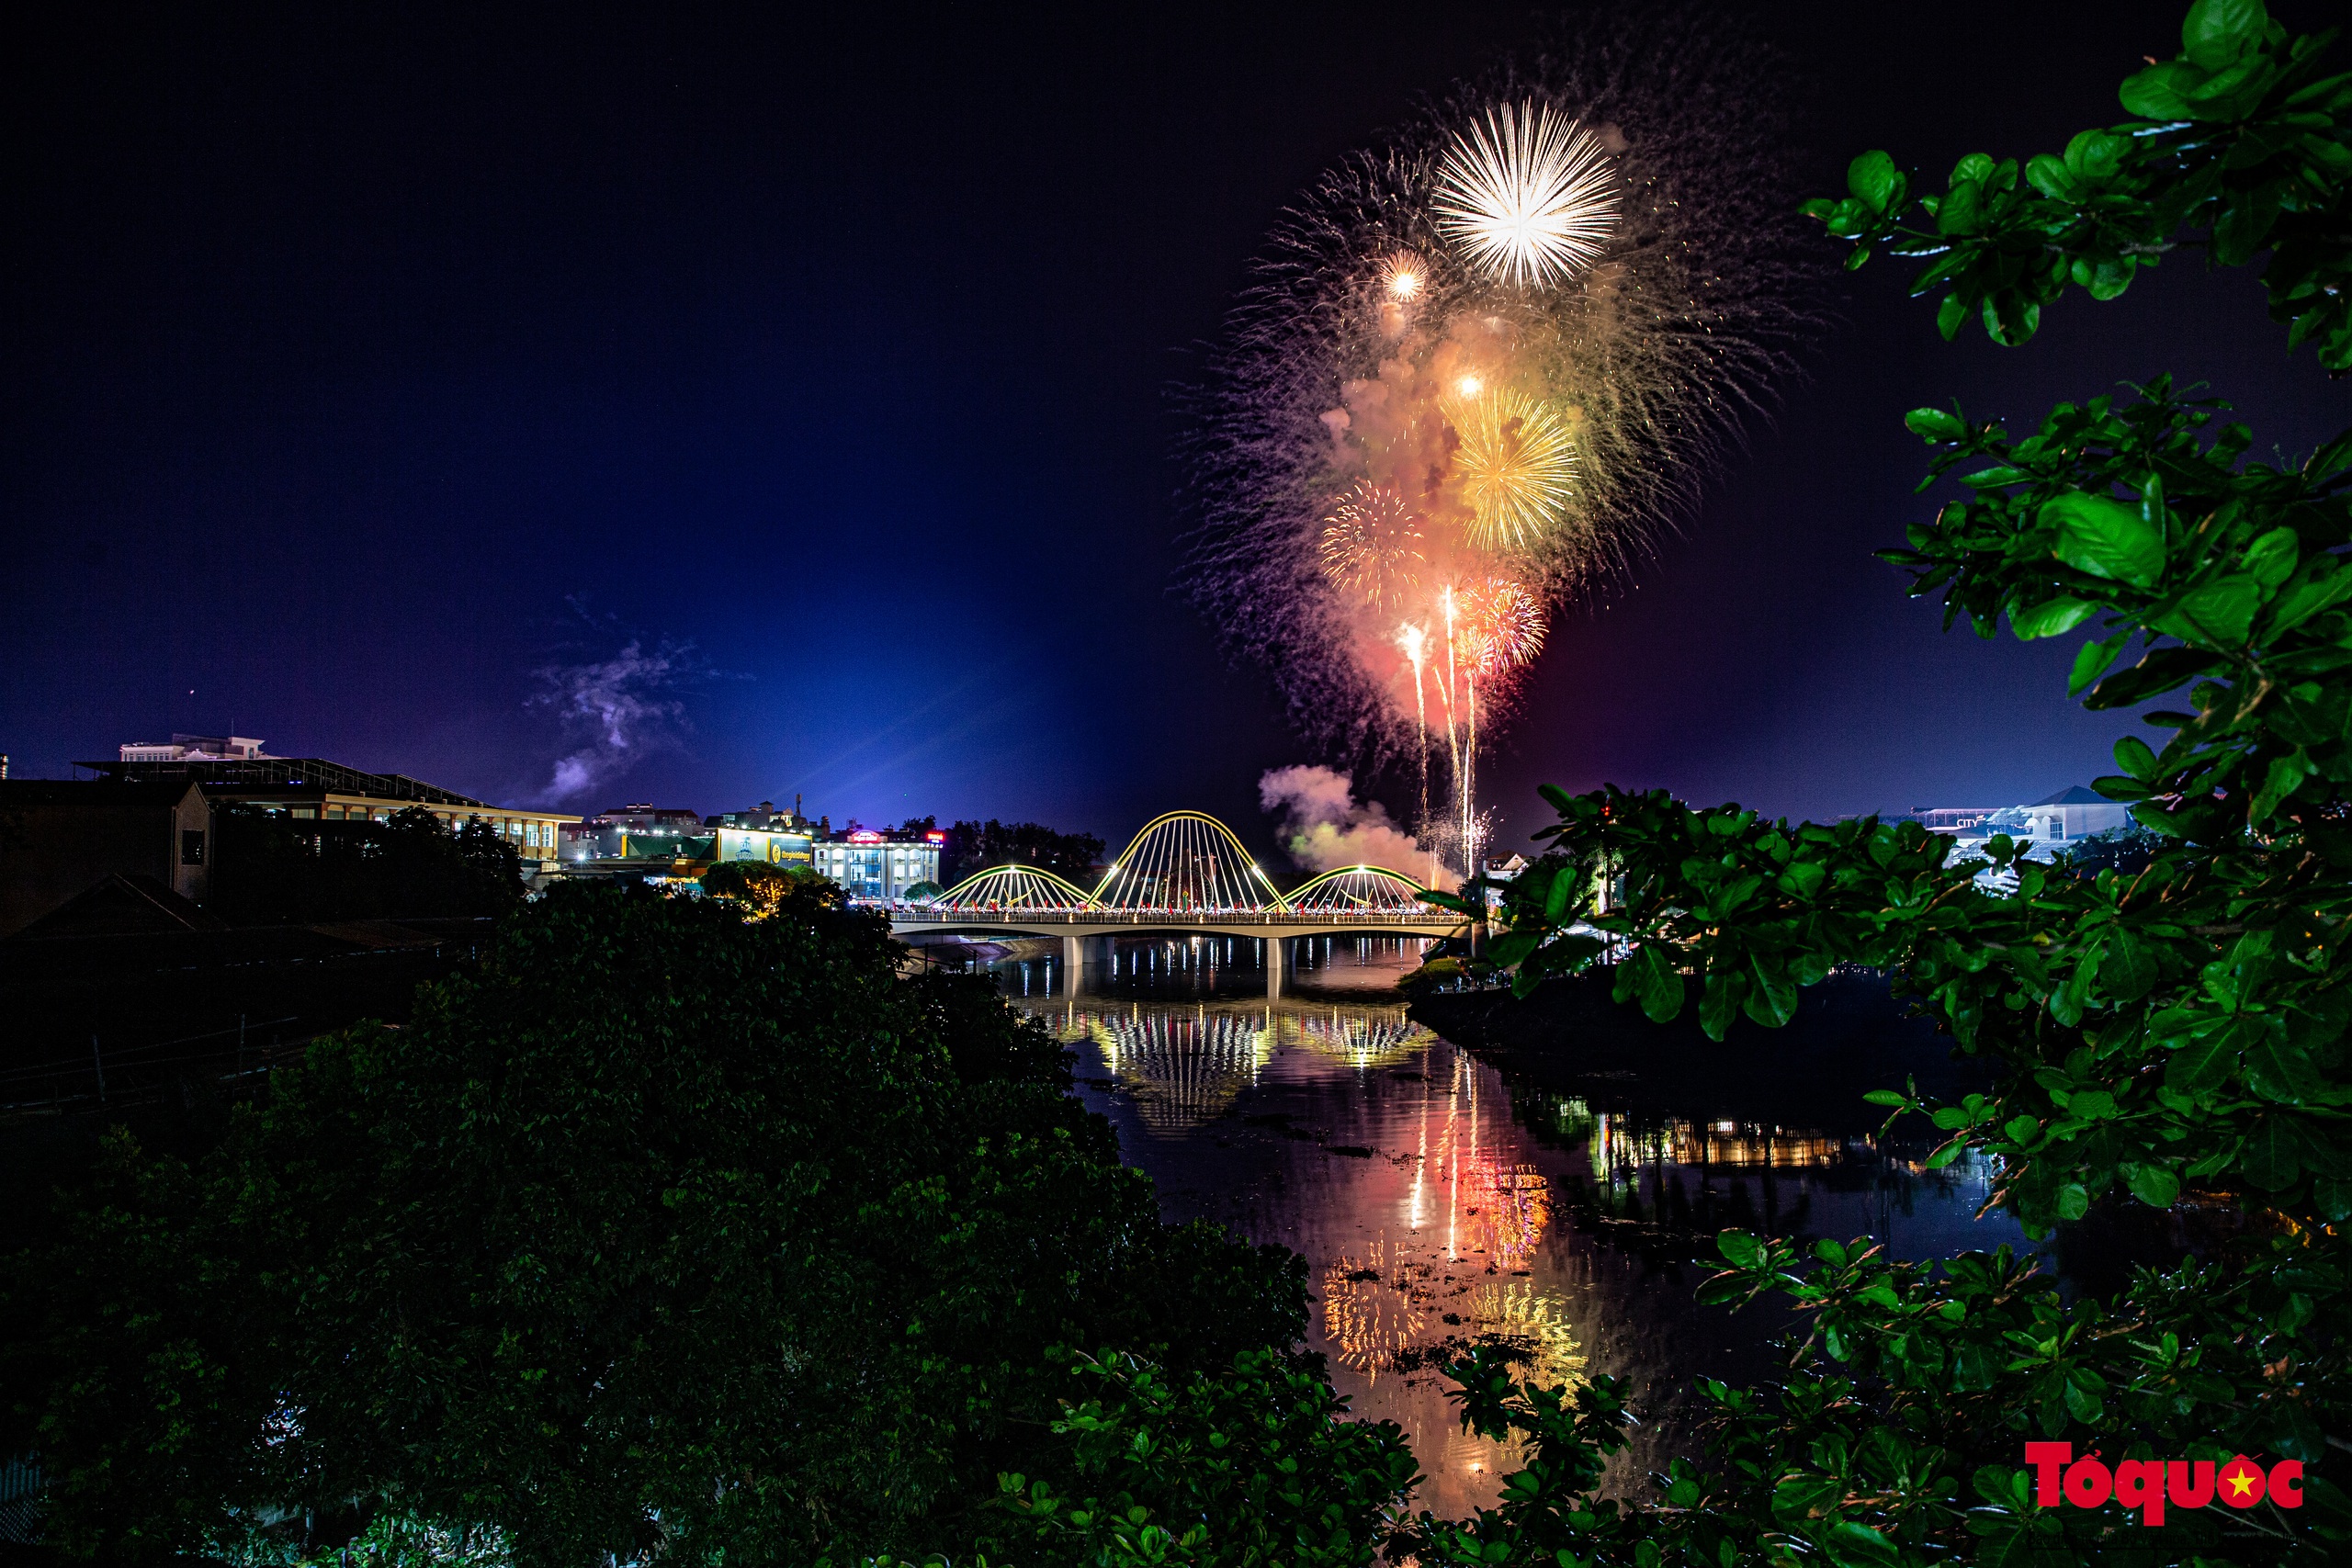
{"type": "Point", "coordinates": [1185, 873]}
{"type": "Point", "coordinates": [1188, 1064]}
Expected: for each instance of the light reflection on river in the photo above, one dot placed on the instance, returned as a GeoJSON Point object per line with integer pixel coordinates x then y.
{"type": "Point", "coordinates": [1436, 1201]}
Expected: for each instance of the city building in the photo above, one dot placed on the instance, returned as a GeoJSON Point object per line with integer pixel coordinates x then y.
{"type": "Point", "coordinates": [191, 748]}
{"type": "Point", "coordinates": [624, 830]}
{"type": "Point", "coordinates": [61, 838]}
{"type": "Point", "coordinates": [880, 866]}
{"type": "Point", "coordinates": [149, 817]}
{"type": "Point", "coordinates": [235, 770]}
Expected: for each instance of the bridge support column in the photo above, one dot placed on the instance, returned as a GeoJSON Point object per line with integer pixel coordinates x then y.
{"type": "Point", "coordinates": [1277, 961]}
{"type": "Point", "coordinates": [1073, 963]}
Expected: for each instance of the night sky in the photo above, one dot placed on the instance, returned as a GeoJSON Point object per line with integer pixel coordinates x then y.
{"type": "Point", "coordinates": [374, 374]}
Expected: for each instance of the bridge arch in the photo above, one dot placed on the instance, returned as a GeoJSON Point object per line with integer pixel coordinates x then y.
{"type": "Point", "coordinates": [1357, 888]}
{"type": "Point", "coordinates": [1187, 862]}
{"type": "Point", "coordinates": [1012, 888]}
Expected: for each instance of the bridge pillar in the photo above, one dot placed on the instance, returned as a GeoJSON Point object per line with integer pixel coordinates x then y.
{"type": "Point", "coordinates": [1277, 960]}
{"type": "Point", "coordinates": [1073, 963]}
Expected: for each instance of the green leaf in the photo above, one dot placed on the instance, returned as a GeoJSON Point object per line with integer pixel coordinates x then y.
{"type": "Point", "coordinates": [2095, 156]}
{"type": "Point", "coordinates": [2092, 661]}
{"type": "Point", "coordinates": [2270, 560]}
{"type": "Point", "coordinates": [2051, 617]}
{"type": "Point", "coordinates": [2300, 605]}
{"type": "Point", "coordinates": [2161, 92]}
{"type": "Point", "coordinates": [2217, 615]}
{"type": "Point", "coordinates": [1719, 1004]}
{"type": "Point", "coordinates": [2215, 32]}
{"type": "Point", "coordinates": [2273, 1154]}
{"type": "Point", "coordinates": [2073, 1200]}
{"type": "Point", "coordinates": [2333, 1197]}
{"type": "Point", "coordinates": [2050, 177]}
{"type": "Point", "coordinates": [1657, 985]}
{"type": "Point", "coordinates": [2126, 969]}
{"type": "Point", "coordinates": [2135, 758]}
{"type": "Point", "coordinates": [1858, 1546]}
{"type": "Point", "coordinates": [1874, 178]}
{"type": "Point", "coordinates": [1772, 999]}
{"type": "Point", "coordinates": [1740, 1249]}
{"type": "Point", "coordinates": [2202, 1064]}
{"type": "Point", "coordinates": [2151, 1184]}
{"type": "Point", "coordinates": [2106, 538]}
{"type": "Point", "coordinates": [2284, 775]}
{"type": "Point", "coordinates": [1934, 426]}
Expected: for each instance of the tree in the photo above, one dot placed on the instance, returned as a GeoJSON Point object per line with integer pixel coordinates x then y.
{"type": "Point", "coordinates": [762, 890]}
{"type": "Point", "coordinates": [2125, 851]}
{"type": "Point", "coordinates": [666, 1230]}
{"type": "Point", "coordinates": [2179, 1029]}
{"type": "Point", "coordinates": [271, 868]}
{"type": "Point", "coordinates": [979, 846]}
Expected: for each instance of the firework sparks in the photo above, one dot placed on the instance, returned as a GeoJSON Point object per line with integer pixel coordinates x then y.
{"type": "Point", "coordinates": [1503, 626]}
{"type": "Point", "coordinates": [1515, 469]}
{"type": "Point", "coordinates": [1372, 543]}
{"type": "Point", "coordinates": [1403, 274]}
{"type": "Point", "coordinates": [1451, 318]}
{"type": "Point", "coordinates": [1528, 195]}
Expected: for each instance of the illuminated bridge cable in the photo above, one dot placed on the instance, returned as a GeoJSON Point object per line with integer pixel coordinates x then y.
{"type": "Point", "coordinates": [1012, 888]}
{"type": "Point", "coordinates": [1187, 862]}
{"type": "Point", "coordinates": [1354, 889]}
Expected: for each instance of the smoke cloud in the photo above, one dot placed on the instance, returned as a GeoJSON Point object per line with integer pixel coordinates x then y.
{"type": "Point", "coordinates": [615, 713]}
{"type": "Point", "coordinates": [1324, 826]}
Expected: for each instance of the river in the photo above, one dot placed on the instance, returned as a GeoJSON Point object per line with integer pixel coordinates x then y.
{"type": "Point", "coordinates": [1438, 1197]}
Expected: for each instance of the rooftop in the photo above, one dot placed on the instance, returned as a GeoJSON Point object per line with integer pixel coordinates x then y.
{"type": "Point", "coordinates": [262, 772]}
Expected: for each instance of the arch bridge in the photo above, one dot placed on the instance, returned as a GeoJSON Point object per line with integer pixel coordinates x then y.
{"type": "Point", "coordinates": [1185, 873]}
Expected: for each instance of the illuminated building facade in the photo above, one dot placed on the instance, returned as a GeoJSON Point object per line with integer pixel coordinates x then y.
{"type": "Point", "coordinates": [871, 864]}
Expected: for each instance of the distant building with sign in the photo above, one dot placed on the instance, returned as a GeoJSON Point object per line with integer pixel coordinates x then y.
{"type": "Point", "coordinates": [2067, 817]}
{"type": "Point", "coordinates": [875, 866]}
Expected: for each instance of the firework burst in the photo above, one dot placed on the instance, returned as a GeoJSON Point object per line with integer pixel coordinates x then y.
{"type": "Point", "coordinates": [1527, 195]}
{"type": "Point", "coordinates": [1531, 322]}
{"type": "Point", "coordinates": [1513, 470]}
{"type": "Point", "coordinates": [1502, 625]}
{"type": "Point", "coordinates": [1371, 545]}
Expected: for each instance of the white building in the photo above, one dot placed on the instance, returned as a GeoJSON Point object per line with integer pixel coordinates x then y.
{"type": "Point", "coordinates": [880, 865]}
{"type": "Point", "coordinates": [191, 748]}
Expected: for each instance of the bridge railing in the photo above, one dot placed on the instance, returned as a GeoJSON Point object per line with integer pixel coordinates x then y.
{"type": "Point", "coordinates": [1151, 918]}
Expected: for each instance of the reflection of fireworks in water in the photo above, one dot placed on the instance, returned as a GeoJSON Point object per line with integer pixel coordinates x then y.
{"type": "Point", "coordinates": [1368, 1310]}
{"type": "Point", "coordinates": [1526, 194]}
{"type": "Point", "coordinates": [1515, 1202]}
{"type": "Point", "coordinates": [1370, 544]}
{"type": "Point", "coordinates": [1620, 297]}
{"type": "Point", "coordinates": [1536, 1325]}
{"type": "Point", "coordinates": [1513, 470]}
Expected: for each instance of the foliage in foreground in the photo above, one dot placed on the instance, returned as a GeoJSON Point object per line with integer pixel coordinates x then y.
{"type": "Point", "coordinates": [2175, 1034]}
{"type": "Point", "coordinates": [667, 1232]}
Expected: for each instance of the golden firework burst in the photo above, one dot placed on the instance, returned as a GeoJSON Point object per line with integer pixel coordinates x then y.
{"type": "Point", "coordinates": [1515, 468]}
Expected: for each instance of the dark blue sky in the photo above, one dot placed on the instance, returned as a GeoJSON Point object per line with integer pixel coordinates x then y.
{"type": "Point", "coordinates": [363, 364]}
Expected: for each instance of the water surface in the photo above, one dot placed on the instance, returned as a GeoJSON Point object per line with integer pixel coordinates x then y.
{"type": "Point", "coordinates": [1437, 1199]}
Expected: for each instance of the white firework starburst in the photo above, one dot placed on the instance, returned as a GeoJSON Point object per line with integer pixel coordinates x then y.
{"type": "Point", "coordinates": [1527, 193]}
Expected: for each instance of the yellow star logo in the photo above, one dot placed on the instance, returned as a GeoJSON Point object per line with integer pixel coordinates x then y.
{"type": "Point", "coordinates": [2240, 1483]}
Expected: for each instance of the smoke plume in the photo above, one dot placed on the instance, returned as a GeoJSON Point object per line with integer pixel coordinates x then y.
{"type": "Point", "coordinates": [1324, 826]}
{"type": "Point", "coordinates": [616, 713]}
